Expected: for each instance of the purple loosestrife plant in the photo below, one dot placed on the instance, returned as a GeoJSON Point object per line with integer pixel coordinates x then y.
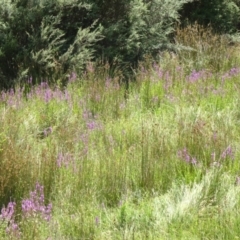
{"type": "Point", "coordinates": [198, 75]}
{"type": "Point", "coordinates": [64, 160]}
{"type": "Point", "coordinates": [7, 217]}
{"type": "Point", "coordinates": [227, 153]}
{"type": "Point", "coordinates": [158, 71]}
{"type": "Point", "coordinates": [185, 156]}
{"type": "Point", "coordinates": [231, 73]}
{"type": "Point", "coordinates": [93, 125]}
{"type": "Point", "coordinates": [45, 93]}
{"type": "Point", "coordinates": [7, 213]}
{"type": "Point", "coordinates": [48, 95]}
{"type": "Point", "coordinates": [34, 206]}
{"type": "Point", "coordinates": [13, 229]}
{"type": "Point", "coordinates": [234, 72]}
{"type": "Point", "coordinates": [12, 98]}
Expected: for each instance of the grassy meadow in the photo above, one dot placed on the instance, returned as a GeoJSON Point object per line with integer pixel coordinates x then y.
{"type": "Point", "coordinates": [159, 160]}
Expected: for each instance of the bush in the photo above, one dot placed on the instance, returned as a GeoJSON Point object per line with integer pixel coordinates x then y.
{"type": "Point", "coordinates": [136, 28]}
{"type": "Point", "coordinates": [47, 39]}
{"type": "Point", "coordinates": [223, 15]}
{"type": "Point", "coordinates": [38, 40]}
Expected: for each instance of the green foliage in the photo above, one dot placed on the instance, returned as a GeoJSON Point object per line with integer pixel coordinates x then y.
{"type": "Point", "coordinates": [46, 39]}
{"type": "Point", "coordinates": [223, 15]}
{"type": "Point", "coordinates": [135, 28]}
{"type": "Point", "coordinates": [159, 164]}
{"type": "Point", "coordinates": [36, 42]}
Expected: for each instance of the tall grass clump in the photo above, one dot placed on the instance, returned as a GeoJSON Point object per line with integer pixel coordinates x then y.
{"type": "Point", "coordinates": [205, 49]}
{"type": "Point", "coordinates": [93, 160]}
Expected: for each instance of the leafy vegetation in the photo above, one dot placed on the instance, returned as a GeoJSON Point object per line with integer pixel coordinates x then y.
{"type": "Point", "coordinates": [47, 40]}
{"type": "Point", "coordinates": [158, 161]}
{"type": "Point", "coordinates": [223, 15]}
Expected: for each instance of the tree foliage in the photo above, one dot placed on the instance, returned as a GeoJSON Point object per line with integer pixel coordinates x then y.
{"type": "Point", "coordinates": [223, 15]}
{"type": "Point", "coordinates": [46, 39]}
{"type": "Point", "coordinates": [39, 39]}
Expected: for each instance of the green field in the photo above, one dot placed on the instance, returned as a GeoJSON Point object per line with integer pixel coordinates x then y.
{"type": "Point", "coordinates": [159, 160]}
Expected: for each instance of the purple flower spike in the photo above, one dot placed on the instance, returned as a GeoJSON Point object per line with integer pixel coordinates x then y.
{"type": "Point", "coordinates": [185, 156]}
{"type": "Point", "coordinates": [8, 212]}
{"type": "Point", "coordinates": [7, 215]}
{"type": "Point", "coordinates": [35, 206]}
{"type": "Point", "coordinates": [228, 152]}
{"type": "Point", "coordinates": [64, 160]}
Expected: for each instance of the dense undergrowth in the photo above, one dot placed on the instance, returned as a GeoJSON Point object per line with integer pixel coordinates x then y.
{"type": "Point", "coordinates": [159, 160]}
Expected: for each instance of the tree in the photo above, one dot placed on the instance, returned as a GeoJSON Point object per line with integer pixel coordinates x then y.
{"type": "Point", "coordinates": [39, 40]}
{"type": "Point", "coordinates": [223, 15]}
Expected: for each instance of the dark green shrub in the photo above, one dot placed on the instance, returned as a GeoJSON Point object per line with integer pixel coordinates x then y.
{"type": "Point", "coordinates": [45, 39]}
{"type": "Point", "coordinates": [223, 15]}
{"type": "Point", "coordinates": [136, 28]}
{"type": "Point", "coordinates": [39, 39]}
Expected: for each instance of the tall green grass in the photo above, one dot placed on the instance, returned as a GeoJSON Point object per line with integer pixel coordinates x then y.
{"type": "Point", "coordinates": [159, 161]}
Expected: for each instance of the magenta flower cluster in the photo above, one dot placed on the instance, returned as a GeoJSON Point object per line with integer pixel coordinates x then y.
{"type": "Point", "coordinates": [45, 93]}
{"type": "Point", "coordinates": [7, 217]}
{"type": "Point", "coordinates": [233, 72]}
{"type": "Point", "coordinates": [198, 75]}
{"type": "Point", "coordinates": [34, 206]}
{"type": "Point", "coordinates": [228, 153]}
{"type": "Point", "coordinates": [31, 207]}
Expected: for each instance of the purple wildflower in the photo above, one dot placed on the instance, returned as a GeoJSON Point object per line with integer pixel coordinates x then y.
{"type": "Point", "coordinates": [158, 70]}
{"type": "Point", "coordinates": [92, 125]}
{"type": "Point", "coordinates": [228, 152]}
{"type": "Point", "coordinates": [8, 212]}
{"type": "Point", "coordinates": [231, 73]}
{"type": "Point", "coordinates": [44, 85]}
{"type": "Point", "coordinates": [13, 229]}
{"type": "Point", "coordinates": [7, 215]}
{"type": "Point", "coordinates": [64, 160]}
{"type": "Point", "coordinates": [35, 206]}
{"type": "Point", "coordinates": [234, 72]}
{"type": "Point", "coordinates": [184, 155]}
{"type": "Point", "coordinates": [197, 75]}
